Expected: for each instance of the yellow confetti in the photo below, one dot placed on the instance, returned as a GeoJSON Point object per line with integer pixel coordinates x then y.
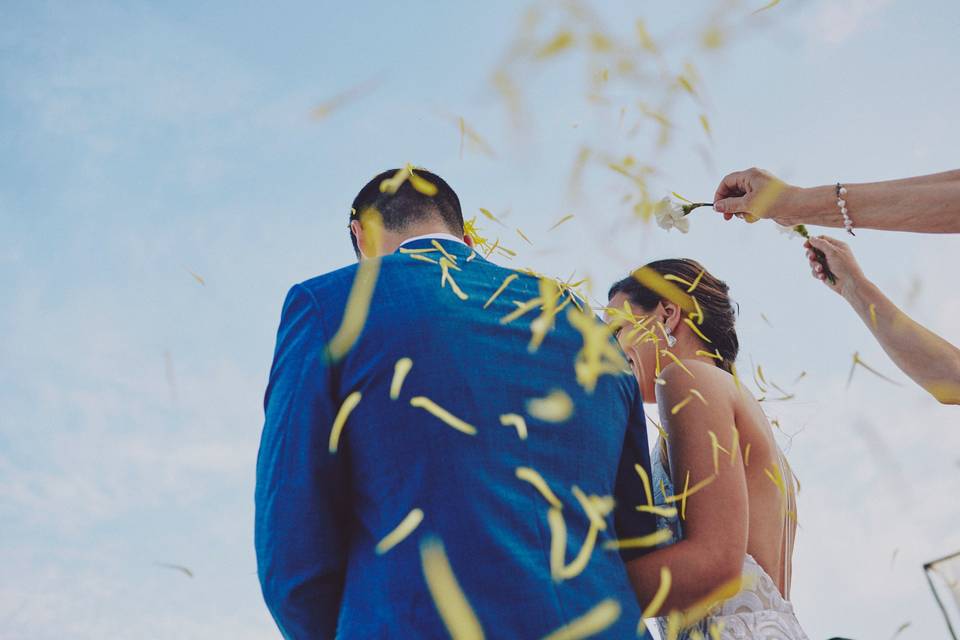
{"type": "Point", "coordinates": [422, 185]}
{"type": "Point", "coordinates": [658, 284]}
{"type": "Point", "coordinates": [565, 218]}
{"type": "Point", "coordinates": [767, 7]}
{"type": "Point", "coordinates": [705, 124]}
{"type": "Point", "coordinates": [489, 215]}
{"type": "Point", "coordinates": [746, 454]}
{"type": "Point", "coordinates": [452, 605]}
{"type": "Point", "coordinates": [327, 107]}
{"type": "Point", "coordinates": [496, 294]}
{"type": "Point", "coordinates": [477, 141]}
{"type": "Point", "coordinates": [562, 41]}
{"type": "Point", "coordinates": [402, 531]}
{"type": "Point", "coordinates": [445, 266]}
{"type": "Point", "coordinates": [696, 281]}
{"type": "Point", "coordinates": [715, 355]}
{"type": "Point", "coordinates": [463, 132]}
{"type": "Point", "coordinates": [716, 630]}
{"type": "Point", "coordinates": [765, 199]}
{"type": "Point", "coordinates": [364, 283]}
{"type": "Point", "coordinates": [550, 292]}
{"type": "Point", "coordinates": [677, 408]}
{"type": "Point", "coordinates": [556, 407]}
{"type": "Point", "coordinates": [521, 310]}
{"type": "Point", "coordinates": [858, 362]}
{"type": "Point", "coordinates": [176, 567]}
{"type": "Point", "coordinates": [516, 421]}
{"type": "Point", "coordinates": [644, 37]}
{"type": "Point", "coordinates": [530, 475]}
{"type": "Point", "coordinates": [659, 537]}
{"type": "Point", "coordinates": [697, 313]}
{"type": "Point", "coordinates": [400, 371]}
{"type": "Point", "coordinates": [700, 609]}
{"type": "Point", "coordinates": [341, 420]}
{"type": "Point", "coordinates": [439, 247]}
{"type": "Point", "coordinates": [675, 278]}
{"type": "Point", "coordinates": [688, 492]}
{"type": "Point", "coordinates": [443, 415]}
{"type": "Point", "coordinates": [197, 278]}
{"type": "Point", "coordinates": [696, 330]}
{"type": "Point", "coordinates": [656, 603]}
{"type": "Point", "coordinates": [599, 355]}
{"type": "Point", "coordinates": [665, 512]}
{"type": "Point", "coordinates": [392, 184]}
{"type": "Point", "coordinates": [717, 448]}
{"type": "Point", "coordinates": [699, 396]}
{"type": "Point", "coordinates": [523, 235]}
{"type": "Point", "coordinates": [645, 479]}
{"type": "Point", "coordinates": [423, 258]}
{"type": "Point", "coordinates": [873, 315]}
{"type": "Point", "coordinates": [589, 624]}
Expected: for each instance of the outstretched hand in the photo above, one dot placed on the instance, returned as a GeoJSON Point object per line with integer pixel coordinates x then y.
{"type": "Point", "coordinates": [839, 259]}
{"type": "Point", "coordinates": [752, 195]}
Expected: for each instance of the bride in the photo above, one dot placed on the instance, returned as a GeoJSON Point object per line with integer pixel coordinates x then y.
{"type": "Point", "coordinates": [720, 482]}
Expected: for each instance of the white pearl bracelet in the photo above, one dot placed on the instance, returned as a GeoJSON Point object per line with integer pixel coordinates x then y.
{"type": "Point", "coordinates": [842, 203]}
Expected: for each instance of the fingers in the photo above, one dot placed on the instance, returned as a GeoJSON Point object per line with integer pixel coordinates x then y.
{"type": "Point", "coordinates": [733, 185]}
{"type": "Point", "coordinates": [730, 206]}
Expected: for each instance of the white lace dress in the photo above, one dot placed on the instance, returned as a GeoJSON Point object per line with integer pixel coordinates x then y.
{"type": "Point", "coordinates": [759, 611]}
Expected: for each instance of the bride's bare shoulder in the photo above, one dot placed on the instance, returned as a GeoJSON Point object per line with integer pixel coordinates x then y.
{"type": "Point", "coordinates": [699, 380]}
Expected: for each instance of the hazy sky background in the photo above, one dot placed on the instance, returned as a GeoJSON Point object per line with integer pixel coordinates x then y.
{"type": "Point", "coordinates": [147, 142]}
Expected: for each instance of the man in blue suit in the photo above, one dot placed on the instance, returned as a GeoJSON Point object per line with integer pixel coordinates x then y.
{"type": "Point", "coordinates": [407, 487]}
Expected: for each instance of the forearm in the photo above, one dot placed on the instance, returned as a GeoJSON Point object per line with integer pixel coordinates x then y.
{"type": "Point", "coordinates": [693, 575]}
{"type": "Point", "coordinates": [929, 204]}
{"type": "Point", "coordinates": [929, 360]}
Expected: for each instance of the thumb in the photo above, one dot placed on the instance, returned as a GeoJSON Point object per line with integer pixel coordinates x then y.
{"type": "Point", "coordinates": [821, 244]}
{"type": "Point", "coordinates": [731, 205]}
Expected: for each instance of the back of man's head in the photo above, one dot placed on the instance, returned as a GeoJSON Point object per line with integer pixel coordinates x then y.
{"type": "Point", "coordinates": [408, 207]}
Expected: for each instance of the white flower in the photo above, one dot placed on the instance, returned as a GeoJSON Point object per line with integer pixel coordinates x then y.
{"type": "Point", "coordinates": [669, 214]}
{"type": "Point", "coordinates": [790, 232]}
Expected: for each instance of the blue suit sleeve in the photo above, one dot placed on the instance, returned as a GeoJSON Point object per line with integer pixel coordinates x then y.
{"type": "Point", "coordinates": [629, 491]}
{"type": "Point", "coordinates": [300, 527]}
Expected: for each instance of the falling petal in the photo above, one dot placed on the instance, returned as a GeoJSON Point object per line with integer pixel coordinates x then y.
{"type": "Point", "coordinates": [766, 7]}
{"type": "Point", "coordinates": [443, 415]}
{"type": "Point", "coordinates": [656, 603]}
{"type": "Point", "coordinates": [555, 408]}
{"type": "Point", "coordinates": [400, 371]}
{"type": "Point", "coordinates": [403, 530]}
{"type": "Point", "coordinates": [341, 420]}
{"type": "Point", "coordinates": [642, 542]}
{"type": "Point", "coordinates": [176, 567]}
{"type": "Point", "coordinates": [530, 475]}
{"type": "Point", "coordinates": [516, 421]}
{"type": "Point", "coordinates": [561, 221]}
{"type": "Point", "coordinates": [589, 624]}
{"type": "Point", "coordinates": [562, 41]}
{"type": "Point", "coordinates": [452, 605]}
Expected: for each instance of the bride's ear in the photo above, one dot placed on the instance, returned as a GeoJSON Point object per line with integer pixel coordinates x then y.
{"type": "Point", "coordinates": [672, 315]}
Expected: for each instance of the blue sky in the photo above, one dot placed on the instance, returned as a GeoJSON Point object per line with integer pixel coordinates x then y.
{"type": "Point", "coordinates": [146, 143]}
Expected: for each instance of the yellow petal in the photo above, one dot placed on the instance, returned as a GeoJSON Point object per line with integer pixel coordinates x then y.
{"type": "Point", "coordinates": [401, 532]}
{"type": "Point", "coordinates": [341, 420]}
{"type": "Point", "coordinates": [556, 407]}
{"type": "Point", "coordinates": [642, 542]}
{"type": "Point", "coordinates": [530, 475]}
{"type": "Point", "coordinates": [496, 294]}
{"type": "Point", "coordinates": [589, 624]}
{"type": "Point", "coordinates": [561, 221]}
{"type": "Point", "coordinates": [656, 603]}
{"type": "Point", "coordinates": [422, 185]}
{"type": "Point", "coordinates": [452, 605]}
{"type": "Point", "coordinates": [516, 421]}
{"type": "Point", "coordinates": [443, 415]}
{"type": "Point", "coordinates": [400, 371]}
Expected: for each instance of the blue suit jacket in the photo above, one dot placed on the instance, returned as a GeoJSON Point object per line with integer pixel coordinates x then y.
{"type": "Point", "coordinates": [319, 516]}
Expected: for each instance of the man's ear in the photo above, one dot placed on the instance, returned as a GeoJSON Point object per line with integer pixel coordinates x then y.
{"type": "Point", "coordinates": [468, 239]}
{"type": "Point", "coordinates": [357, 230]}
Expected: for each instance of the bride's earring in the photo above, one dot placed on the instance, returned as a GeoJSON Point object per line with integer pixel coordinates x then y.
{"type": "Point", "coordinates": [671, 339]}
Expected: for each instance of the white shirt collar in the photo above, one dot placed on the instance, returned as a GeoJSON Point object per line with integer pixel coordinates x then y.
{"type": "Point", "coordinates": [434, 236]}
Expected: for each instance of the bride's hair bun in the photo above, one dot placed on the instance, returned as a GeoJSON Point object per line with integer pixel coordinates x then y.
{"type": "Point", "coordinates": [712, 294]}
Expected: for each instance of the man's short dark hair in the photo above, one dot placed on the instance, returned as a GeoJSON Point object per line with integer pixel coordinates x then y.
{"type": "Point", "coordinates": [408, 206]}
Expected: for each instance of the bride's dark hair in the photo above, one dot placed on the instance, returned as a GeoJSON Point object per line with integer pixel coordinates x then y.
{"type": "Point", "coordinates": [712, 294]}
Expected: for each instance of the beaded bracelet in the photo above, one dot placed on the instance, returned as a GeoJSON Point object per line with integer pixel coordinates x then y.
{"type": "Point", "coordinates": [842, 203]}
